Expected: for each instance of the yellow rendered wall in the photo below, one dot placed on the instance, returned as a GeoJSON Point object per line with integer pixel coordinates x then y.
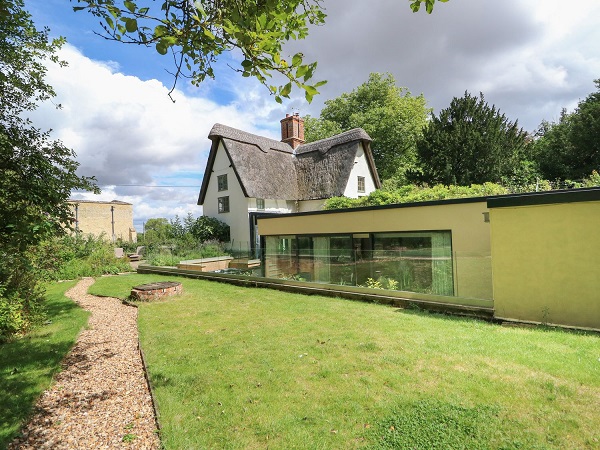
{"type": "Point", "coordinates": [470, 234]}
{"type": "Point", "coordinates": [95, 218]}
{"type": "Point", "coordinates": [546, 263]}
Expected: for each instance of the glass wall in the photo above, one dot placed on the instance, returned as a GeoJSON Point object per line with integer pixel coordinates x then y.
{"type": "Point", "coordinates": [407, 261]}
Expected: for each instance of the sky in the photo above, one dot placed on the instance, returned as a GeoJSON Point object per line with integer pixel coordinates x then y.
{"type": "Point", "coordinates": [530, 58]}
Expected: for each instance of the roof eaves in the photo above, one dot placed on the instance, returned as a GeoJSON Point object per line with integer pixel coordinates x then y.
{"type": "Point", "coordinates": [208, 170]}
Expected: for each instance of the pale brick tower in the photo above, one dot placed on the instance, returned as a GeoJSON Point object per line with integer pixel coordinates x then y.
{"type": "Point", "coordinates": [292, 130]}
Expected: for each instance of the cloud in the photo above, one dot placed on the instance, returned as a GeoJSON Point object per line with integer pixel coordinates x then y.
{"type": "Point", "coordinates": [530, 59]}
{"type": "Point", "coordinates": [127, 131]}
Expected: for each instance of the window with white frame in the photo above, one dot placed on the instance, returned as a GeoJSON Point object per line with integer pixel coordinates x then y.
{"type": "Point", "coordinates": [260, 204]}
{"type": "Point", "coordinates": [222, 182]}
{"type": "Point", "coordinates": [361, 184]}
{"type": "Point", "coordinates": [223, 204]}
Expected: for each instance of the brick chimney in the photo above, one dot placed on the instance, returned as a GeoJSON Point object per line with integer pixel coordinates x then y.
{"type": "Point", "coordinates": [292, 130]}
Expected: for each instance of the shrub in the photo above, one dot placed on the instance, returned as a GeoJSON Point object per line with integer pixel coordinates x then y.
{"type": "Point", "coordinates": [414, 193]}
{"type": "Point", "coordinates": [71, 257]}
{"type": "Point", "coordinates": [208, 228]}
{"type": "Point", "coordinates": [21, 297]}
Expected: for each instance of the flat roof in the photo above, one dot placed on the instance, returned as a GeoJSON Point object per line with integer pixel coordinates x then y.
{"type": "Point", "coordinates": [496, 201]}
{"type": "Point", "coordinates": [449, 201]}
{"type": "Point", "coordinates": [545, 198]}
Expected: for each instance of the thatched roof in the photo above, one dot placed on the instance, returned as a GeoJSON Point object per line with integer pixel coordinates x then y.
{"type": "Point", "coordinates": [267, 168]}
{"type": "Point", "coordinates": [270, 174]}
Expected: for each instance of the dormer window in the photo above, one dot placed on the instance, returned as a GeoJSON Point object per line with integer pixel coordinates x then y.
{"type": "Point", "coordinates": [361, 184]}
{"type": "Point", "coordinates": [222, 182]}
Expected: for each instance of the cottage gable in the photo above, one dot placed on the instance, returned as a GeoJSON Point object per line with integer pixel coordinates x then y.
{"type": "Point", "coordinates": [266, 168]}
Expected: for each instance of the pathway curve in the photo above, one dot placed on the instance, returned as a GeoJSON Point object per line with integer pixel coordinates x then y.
{"type": "Point", "coordinates": [100, 399]}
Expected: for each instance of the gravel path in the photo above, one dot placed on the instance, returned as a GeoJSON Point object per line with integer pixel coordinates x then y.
{"type": "Point", "coordinates": [100, 399]}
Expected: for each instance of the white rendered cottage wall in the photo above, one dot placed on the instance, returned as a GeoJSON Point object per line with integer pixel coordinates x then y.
{"type": "Point", "coordinates": [310, 205]}
{"type": "Point", "coordinates": [361, 168]}
{"type": "Point", "coordinates": [275, 206]}
{"type": "Point", "coordinates": [237, 217]}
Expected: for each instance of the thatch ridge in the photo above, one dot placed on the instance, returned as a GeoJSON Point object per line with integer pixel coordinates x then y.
{"type": "Point", "coordinates": [265, 144]}
{"type": "Point", "coordinates": [323, 145]}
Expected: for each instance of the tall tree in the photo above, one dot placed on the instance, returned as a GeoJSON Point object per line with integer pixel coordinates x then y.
{"type": "Point", "coordinates": [38, 173]}
{"type": "Point", "coordinates": [196, 33]}
{"type": "Point", "coordinates": [157, 230]}
{"type": "Point", "coordinates": [570, 148]}
{"type": "Point", "coordinates": [389, 114]}
{"type": "Point", "coordinates": [470, 143]}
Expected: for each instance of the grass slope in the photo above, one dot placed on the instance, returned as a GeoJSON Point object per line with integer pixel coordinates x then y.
{"type": "Point", "coordinates": [242, 368]}
{"type": "Point", "coordinates": [28, 364]}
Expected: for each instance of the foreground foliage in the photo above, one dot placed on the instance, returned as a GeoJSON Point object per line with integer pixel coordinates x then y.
{"type": "Point", "coordinates": [28, 364]}
{"type": "Point", "coordinates": [196, 33]}
{"type": "Point", "coordinates": [23, 308]}
{"type": "Point", "coordinates": [254, 368]}
{"type": "Point", "coordinates": [38, 173]}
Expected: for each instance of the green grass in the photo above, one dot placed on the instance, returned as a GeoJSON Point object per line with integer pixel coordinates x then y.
{"type": "Point", "coordinates": [242, 368]}
{"type": "Point", "coordinates": [28, 364]}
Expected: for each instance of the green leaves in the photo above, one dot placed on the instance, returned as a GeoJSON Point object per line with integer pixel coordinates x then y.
{"type": "Point", "coordinates": [162, 48]}
{"type": "Point", "coordinates": [129, 5]}
{"type": "Point", "coordinates": [285, 92]}
{"type": "Point", "coordinates": [131, 25]}
{"type": "Point", "coordinates": [416, 5]}
{"type": "Point", "coordinates": [198, 33]}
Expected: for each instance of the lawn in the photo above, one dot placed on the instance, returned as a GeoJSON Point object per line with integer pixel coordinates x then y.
{"type": "Point", "coordinates": [244, 368]}
{"type": "Point", "coordinates": [28, 364]}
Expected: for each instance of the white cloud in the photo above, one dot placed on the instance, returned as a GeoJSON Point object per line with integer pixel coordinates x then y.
{"type": "Point", "coordinates": [127, 131]}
